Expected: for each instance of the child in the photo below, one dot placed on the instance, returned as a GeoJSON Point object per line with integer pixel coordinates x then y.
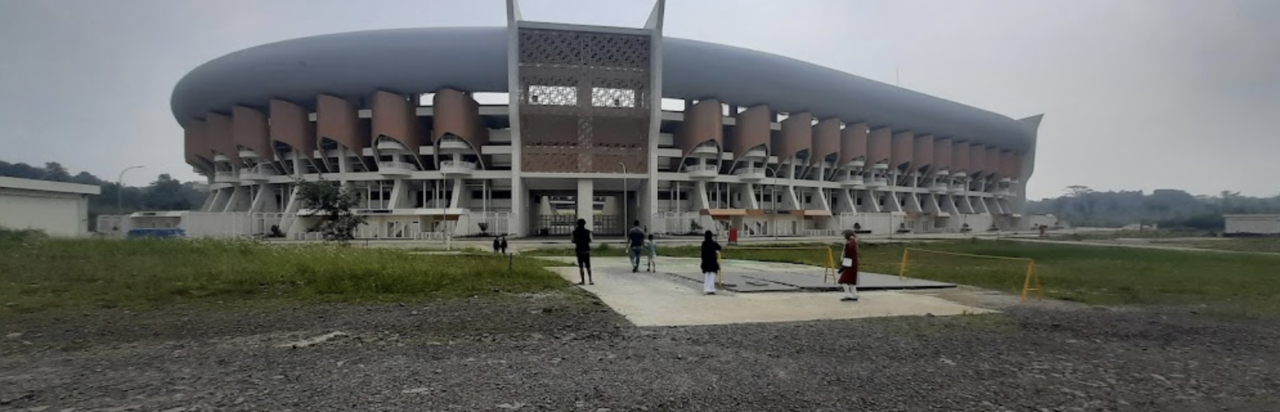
{"type": "Point", "coordinates": [651, 250]}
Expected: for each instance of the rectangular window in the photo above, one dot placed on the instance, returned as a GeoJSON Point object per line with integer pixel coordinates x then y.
{"type": "Point", "coordinates": [608, 97]}
{"type": "Point", "coordinates": [553, 95]}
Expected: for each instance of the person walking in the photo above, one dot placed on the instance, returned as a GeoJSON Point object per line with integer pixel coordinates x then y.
{"type": "Point", "coordinates": [710, 262]}
{"type": "Point", "coordinates": [635, 243]}
{"type": "Point", "coordinates": [496, 244]}
{"type": "Point", "coordinates": [503, 245]}
{"type": "Point", "coordinates": [849, 267]}
{"type": "Point", "coordinates": [650, 250]}
{"type": "Point", "coordinates": [581, 239]}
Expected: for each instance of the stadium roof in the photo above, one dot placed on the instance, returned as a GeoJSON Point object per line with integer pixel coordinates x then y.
{"type": "Point", "coordinates": [475, 59]}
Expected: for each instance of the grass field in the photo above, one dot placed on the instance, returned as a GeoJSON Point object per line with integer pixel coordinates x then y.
{"type": "Point", "coordinates": [1089, 274]}
{"type": "Point", "coordinates": [1194, 239]}
{"type": "Point", "coordinates": [38, 273]}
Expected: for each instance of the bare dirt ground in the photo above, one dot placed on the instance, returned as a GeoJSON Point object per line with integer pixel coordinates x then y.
{"type": "Point", "coordinates": [567, 352]}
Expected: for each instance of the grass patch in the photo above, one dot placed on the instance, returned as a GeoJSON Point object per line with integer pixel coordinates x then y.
{"type": "Point", "coordinates": [1238, 244]}
{"type": "Point", "coordinates": [1082, 273]}
{"type": "Point", "coordinates": [38, 273]}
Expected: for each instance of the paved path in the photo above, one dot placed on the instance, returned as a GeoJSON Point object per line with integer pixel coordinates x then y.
{"type": "Point", "coordinates": [657, 299]}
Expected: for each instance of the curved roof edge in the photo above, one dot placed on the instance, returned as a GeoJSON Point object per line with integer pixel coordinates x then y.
{"type": "Point", "coordinates": [356, 64]}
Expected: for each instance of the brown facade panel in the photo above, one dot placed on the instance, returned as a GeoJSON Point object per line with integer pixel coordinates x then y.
{"type": "Point", "coordinates": [218, 127]}
{"type": "Point", "coordinates": [826, 140]}
{"type": "Point", "coordinates": [960, 157]}
{"type": "Point", "coordinates": [977, 159]}
{"type": "Point", "coordinates": [879, 146]}
{"type": "Point", "coordinates": [751, 130]}
{"type": "Point", "coordinates": [702, 123]}
{"type": "Point", "coordinates": [1006, 165]}
{"type": "Point", "coordinates": [457, 113]}
{"type": "Point", "coordinates": [796, 136]}
{"type": "Point", "coordinates": [1016, 172]}
{"type": "Point", "coordinates": [901, 155]}
{"type": "Point", "coordinates": [336, 119]}
{"type": "Point", "coordinates": [942, 154]}
{"type": "Point", "coordinates": [196, 145]}
{"type": "Point", "coordinates": [249, 130]}
{"type": "Point", "coordinates": [922, 154]}
{"type": "Point", "coordinates": [394, 117]}
{"type": "Point", "coordinates": [289, 125]}
{"type": "Point", "coordinates": [993, 161]}
{"type": "Point", "coordinates": [853, 142]}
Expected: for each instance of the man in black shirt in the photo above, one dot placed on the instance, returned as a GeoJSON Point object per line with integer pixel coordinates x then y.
{"type": "Point", "coordinates": [635, 244]}
{"type": "Point", "coordinates": [582, 247]}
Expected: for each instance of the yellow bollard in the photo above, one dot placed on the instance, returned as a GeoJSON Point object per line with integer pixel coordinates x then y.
{"type": "Point", "coordinates": [902, 271]}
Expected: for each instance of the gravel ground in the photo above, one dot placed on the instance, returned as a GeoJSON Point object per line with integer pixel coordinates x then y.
{"type": "Point", "coordinates": [569, 353]}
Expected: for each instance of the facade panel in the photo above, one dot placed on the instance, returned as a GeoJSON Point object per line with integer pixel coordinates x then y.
{"type": "Point", "coordinates": [289, 125]}
{"type": "Point", "coordinates": [853, 143]}
{"type": "Point", "coordinates": [702, 123]}
{"type": "Point", "coordinates": [219, 133]}
{"type": "Point", "coordinates": [879, 146]}
{"type": "Point", "coordinates": [942, 157]}
{"type": "Point", "coordinates": [394, 118]}
{"type": "Point", "coordinates": [826, 141]}
{"type": "Point", "coordinates": [751, 131]}
{"type": "Point", "coordinates": [249, 131]}
{"type": "Point", "coordinates": [336, 120]}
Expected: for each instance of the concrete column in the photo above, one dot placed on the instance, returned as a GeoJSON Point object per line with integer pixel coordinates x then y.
{"type": "Point", "coordinates": [213, 202]}
{"type": "Point", "coordinates": [699, 198]}
{"type": "Point", "coordinates": [399, 195]}
{"type": "Point", "coordinates": [585, 201]}
{"type": "Point", "coordinates": [455, 201]}
{"type": "Point", "coordinates": [848, 203]}
{"type": "Point", "coordinates": [749, 200]}
{"type": "Point", "coordinates": [871, 201]}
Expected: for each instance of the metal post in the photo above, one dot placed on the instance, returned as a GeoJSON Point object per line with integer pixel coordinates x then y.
{"type": "Point", "coordinates": [120, 188]}
{"type": "Point", "coordinates": [624, 198]}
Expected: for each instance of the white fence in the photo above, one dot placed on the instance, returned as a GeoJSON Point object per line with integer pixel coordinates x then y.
{"type": "Point", "coordinates": [681, 223]}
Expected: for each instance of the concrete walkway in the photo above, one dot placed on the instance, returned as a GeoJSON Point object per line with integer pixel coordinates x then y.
{"type": "Point", "coordinates": [656, 299]}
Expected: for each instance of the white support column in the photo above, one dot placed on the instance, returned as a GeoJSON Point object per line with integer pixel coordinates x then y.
{"type": "Point", "coordinates": [749, 200]}
{"type": "Point", "coordinates": [238, 200]}
{"type": "Point", "coordinates": [260, 198]}
{"type": "Point", "coordinates": [455, 200]}
{"type": "Point", "coordinates": [848, 203]}
{"type": "Point", "coordinates": [399, 195]}
{"type": "Point", "coordinates": [700, 200]}
{"type": "Point", "coordinates": [585, 201]}
{"type": "Point", "coordinates": [519, 210]}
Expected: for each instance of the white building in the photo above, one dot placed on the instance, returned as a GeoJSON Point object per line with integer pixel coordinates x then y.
{"type": "Point", "coordinates": [1251, 225]}
{"type": "Point", "coordinates": [525, 128]}
{"type": "Point", "coordinates": [57, 208]}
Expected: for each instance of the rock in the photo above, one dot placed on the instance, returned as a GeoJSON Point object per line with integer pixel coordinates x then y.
{"type": "Point", "coordinates": [313, 341]}
{"type": "Point", "coordinates": [14, 335]}
{"type": "Point", "coordinates": [416, 390]}
{"type": "Point", "coordinates": [511, 406]}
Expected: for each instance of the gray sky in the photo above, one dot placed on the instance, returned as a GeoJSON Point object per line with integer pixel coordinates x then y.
{"type": "Point", "coordinates": [1137, 94]}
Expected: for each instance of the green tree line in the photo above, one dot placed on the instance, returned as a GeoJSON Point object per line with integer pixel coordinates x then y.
{"type": "Point", "coordinates": [1171, 208]}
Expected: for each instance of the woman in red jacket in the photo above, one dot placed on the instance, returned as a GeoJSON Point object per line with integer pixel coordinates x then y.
{"type": "Point", "coordinates": [849, 267]}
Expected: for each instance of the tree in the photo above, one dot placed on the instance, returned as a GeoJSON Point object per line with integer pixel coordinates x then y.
{"type": "Point", "coordinates": [333, 205]}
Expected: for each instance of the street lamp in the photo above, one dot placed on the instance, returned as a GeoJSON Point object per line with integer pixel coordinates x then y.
{"type": "Point", "coordinates": [624, 197]}
{"type": "Point", "coordinates": [120, 188]}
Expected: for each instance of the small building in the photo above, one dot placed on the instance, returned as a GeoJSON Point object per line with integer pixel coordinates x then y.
{"type": "Point", "coordinates": [57, 208]}
{"type": "Point", "coordinates": [1251, 225]}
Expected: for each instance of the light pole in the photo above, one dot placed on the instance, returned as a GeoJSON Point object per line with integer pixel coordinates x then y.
{"type": "Point", "coordinates": [773, 203]}
{"type": "Point", "coordinates": [624, 198]}
{"type": "Point", "coordinates": [120, 188]}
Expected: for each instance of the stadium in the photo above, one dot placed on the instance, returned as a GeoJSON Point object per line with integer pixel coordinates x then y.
{"type": "Point", "coordinates": [522, 129]}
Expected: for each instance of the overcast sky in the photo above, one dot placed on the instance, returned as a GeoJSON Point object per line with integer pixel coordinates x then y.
{"type": "Point", "coordinates": [1137, 94]}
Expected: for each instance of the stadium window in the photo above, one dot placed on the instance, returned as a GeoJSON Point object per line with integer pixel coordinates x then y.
{"type": "Point", "coordinates": [553, 96]}
{"type": "Point", "coordinates": [492, 98]}
{"type": "Point", "coordinates": [672, 105]}
{"type": "Point", "coordinates": [610, 97]}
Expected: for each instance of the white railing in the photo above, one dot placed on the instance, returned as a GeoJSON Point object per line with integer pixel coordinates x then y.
{"type": "Point", "coordinates": [680, 223]}
{"type": "Point", "coordinates": [397, 166]}
{"type": "Point", "coordinates": [457, 164]}
{"type": "Point", "coordinates": [225, 176]}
